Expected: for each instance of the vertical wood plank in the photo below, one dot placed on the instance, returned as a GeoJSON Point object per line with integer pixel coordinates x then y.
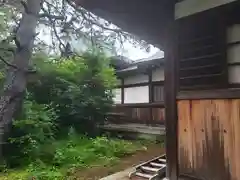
{"type": "Point", "coordinates": [209, 138]}
{"type": "Point", "coordinates": [184, 139]}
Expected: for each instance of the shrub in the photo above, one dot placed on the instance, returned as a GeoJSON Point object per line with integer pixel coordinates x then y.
{"type": "Point", "coordinates": [35, 128]}
{"type": "Point", "coordinates": [65, 93]}
{"type": "Point", "coordinates": [80, 90]}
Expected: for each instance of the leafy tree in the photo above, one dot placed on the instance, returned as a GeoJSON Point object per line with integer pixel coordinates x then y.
{"type": "Point", "coordinates": [16, 77]}
{"type": "Point", "coordinates": [67, 93]}
{"type": "Point", "coordinates": [64, 20]}
{"type": "Point", "coordinates": [79, 89]}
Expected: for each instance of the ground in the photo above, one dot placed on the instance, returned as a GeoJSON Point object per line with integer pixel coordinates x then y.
{"type": "Point", "coordinates": [96, 173]}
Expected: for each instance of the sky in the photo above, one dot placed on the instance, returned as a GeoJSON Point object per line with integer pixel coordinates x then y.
{"type": "Point", "coordinates": [129, 50]}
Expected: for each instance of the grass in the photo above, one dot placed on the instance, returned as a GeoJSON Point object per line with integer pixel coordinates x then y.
{"type": "Point", "coordinates": [60, 159]}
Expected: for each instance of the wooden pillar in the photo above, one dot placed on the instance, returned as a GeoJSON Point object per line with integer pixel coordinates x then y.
{"type": "Point", "coordinates": [122, 91]}
{"type": "Point", "coordinates": [150, 87]}
{"type": "Point", "coordinates": [170, 51]}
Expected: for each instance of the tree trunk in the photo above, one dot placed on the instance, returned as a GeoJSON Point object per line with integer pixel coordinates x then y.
{"type": "Point", "coordinates": [16, 78]}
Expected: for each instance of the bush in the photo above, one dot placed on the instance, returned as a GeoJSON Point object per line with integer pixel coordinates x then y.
{"type": "Point", "coordinates": [74, 153]}
{"type": "Point", "coordinates": [35, 128]}
{"type": "Point", "coordinates": [64, 93]}
{"type": "Point", "coordinates": [80, 90]}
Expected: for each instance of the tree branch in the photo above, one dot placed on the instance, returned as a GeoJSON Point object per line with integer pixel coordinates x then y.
{"type": "Point", "coordinates": [7, 63]}
{"type": "Point", "coordinates": [61, 44]}
{"type": "Point", "coordinates": [43, 15]}
{"type": "Point", "coordinates": [29, 71]}
{"type": "Point", "coordinates": [92, 21]}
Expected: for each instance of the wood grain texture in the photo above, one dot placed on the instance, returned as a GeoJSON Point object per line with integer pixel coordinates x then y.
{"type": "Point", "coordinates": [209, 138]}
{"type": "Point", "coordinates": [158, 115]}
{"type": "Point", "coordinates": [144, 115]}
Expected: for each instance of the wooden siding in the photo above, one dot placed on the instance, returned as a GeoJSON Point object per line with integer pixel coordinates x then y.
{"type": "Point", "coordinates": [144, 115]}
{"type": "Point", "coordinates": [158, 93]}
{"type": "Point", "coordinates": [209, 138]}
{"type": "Point", "coordinates": [158, 115]}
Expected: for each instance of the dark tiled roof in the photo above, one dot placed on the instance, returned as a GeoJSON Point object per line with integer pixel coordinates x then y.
{"type": "Point", "coordinates": [129, 67]}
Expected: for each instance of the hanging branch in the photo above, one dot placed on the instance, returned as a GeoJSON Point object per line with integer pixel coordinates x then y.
{"type": "Point", "coordinates": [32, 71]}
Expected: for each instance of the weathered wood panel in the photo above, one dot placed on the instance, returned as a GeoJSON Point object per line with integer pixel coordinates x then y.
{"type": "Point", "coordinates": [209, 138]}
{"type": "Point", "coordinates": [144, 115]}
{"type": "Point", "coordinates": [158, 93]}
{"type": "Point", "coordinates": [158, 115]}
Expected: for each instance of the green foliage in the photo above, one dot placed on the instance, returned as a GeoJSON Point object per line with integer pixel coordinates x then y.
{"type": "Point", "coordinates": [80, 90]}
{"type": "Point", "coordinates": [82, 152]}
{"type": "Point", "coordinates": [65, 93]}
{"type": "Point", "coordinates": [35, 127]}
{"type": "Point", "coordinates": [66, 101]}
{"type": "Point", "coordinates": [73, 153]}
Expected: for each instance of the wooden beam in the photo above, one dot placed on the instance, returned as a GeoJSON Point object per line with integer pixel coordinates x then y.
{"type": "Point", "coordinates": [170, 102]}
{"type": "Point", "coordinates": [140, 84]}
{"type": "Point", "coordinates": [234, 64]}
{"type": "Point", "coordinates": [142, 105]}
{"type": "Point", "coordinates": [210, 94]}
{"type": "Point", "coordinates": [233, 43]}
{"type": "Point", "coordinates": [133, 85]}
{"type": "Point", "coordinates": [234, 85]}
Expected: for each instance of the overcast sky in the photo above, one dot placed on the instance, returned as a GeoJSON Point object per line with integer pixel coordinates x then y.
{"type": "Point", "coordinates": [128, 50]}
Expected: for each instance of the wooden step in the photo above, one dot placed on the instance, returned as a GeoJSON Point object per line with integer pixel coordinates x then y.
{"type": "Point", "coordinates": [157, 164]}
{"type": "Point", "coordinates": [162, 160]}
{"type": "Point", "coordinates": [143, 175]}
{"type": "Point", "coordinates": [147, 168]}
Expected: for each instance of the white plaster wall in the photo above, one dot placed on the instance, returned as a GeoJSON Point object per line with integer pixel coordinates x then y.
{"type": "Point", "coordinates": [233, 54]}
{"type": "Point", "coordinates": [233, 33]}
{"type": "Point", "coordinates": [189, 7]}
{"type": "Point", "coordinates": [136, 95]}
{"type": "Point", "coordinates": [158, 74]}
{"type": "Point", "coordinates": [117, 96]}
{"type": "Point", "coordinates": [140, 78]}
{"type": "Point", "coordinates": [234, 74]}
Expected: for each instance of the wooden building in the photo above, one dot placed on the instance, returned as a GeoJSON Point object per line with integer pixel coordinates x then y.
{"type": "Point", "coordinates": [201, 42]}
{"type": "Point", "coordinates": [139, 97]}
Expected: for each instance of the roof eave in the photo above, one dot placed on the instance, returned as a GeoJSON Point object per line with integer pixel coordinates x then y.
{"type": "Point", "coordinates": [141, 18]}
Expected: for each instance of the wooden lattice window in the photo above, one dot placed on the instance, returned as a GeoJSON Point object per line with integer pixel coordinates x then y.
{"type": "Point", "coordinates": [202, 53]}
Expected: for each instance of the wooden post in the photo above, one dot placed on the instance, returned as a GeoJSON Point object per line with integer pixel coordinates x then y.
{"type": "Point", "coordinates": [170, 102]}
{"type": "Point", "coordinates": [150, 88]}
{"type": "Point", "coordinates": [122, 90]}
